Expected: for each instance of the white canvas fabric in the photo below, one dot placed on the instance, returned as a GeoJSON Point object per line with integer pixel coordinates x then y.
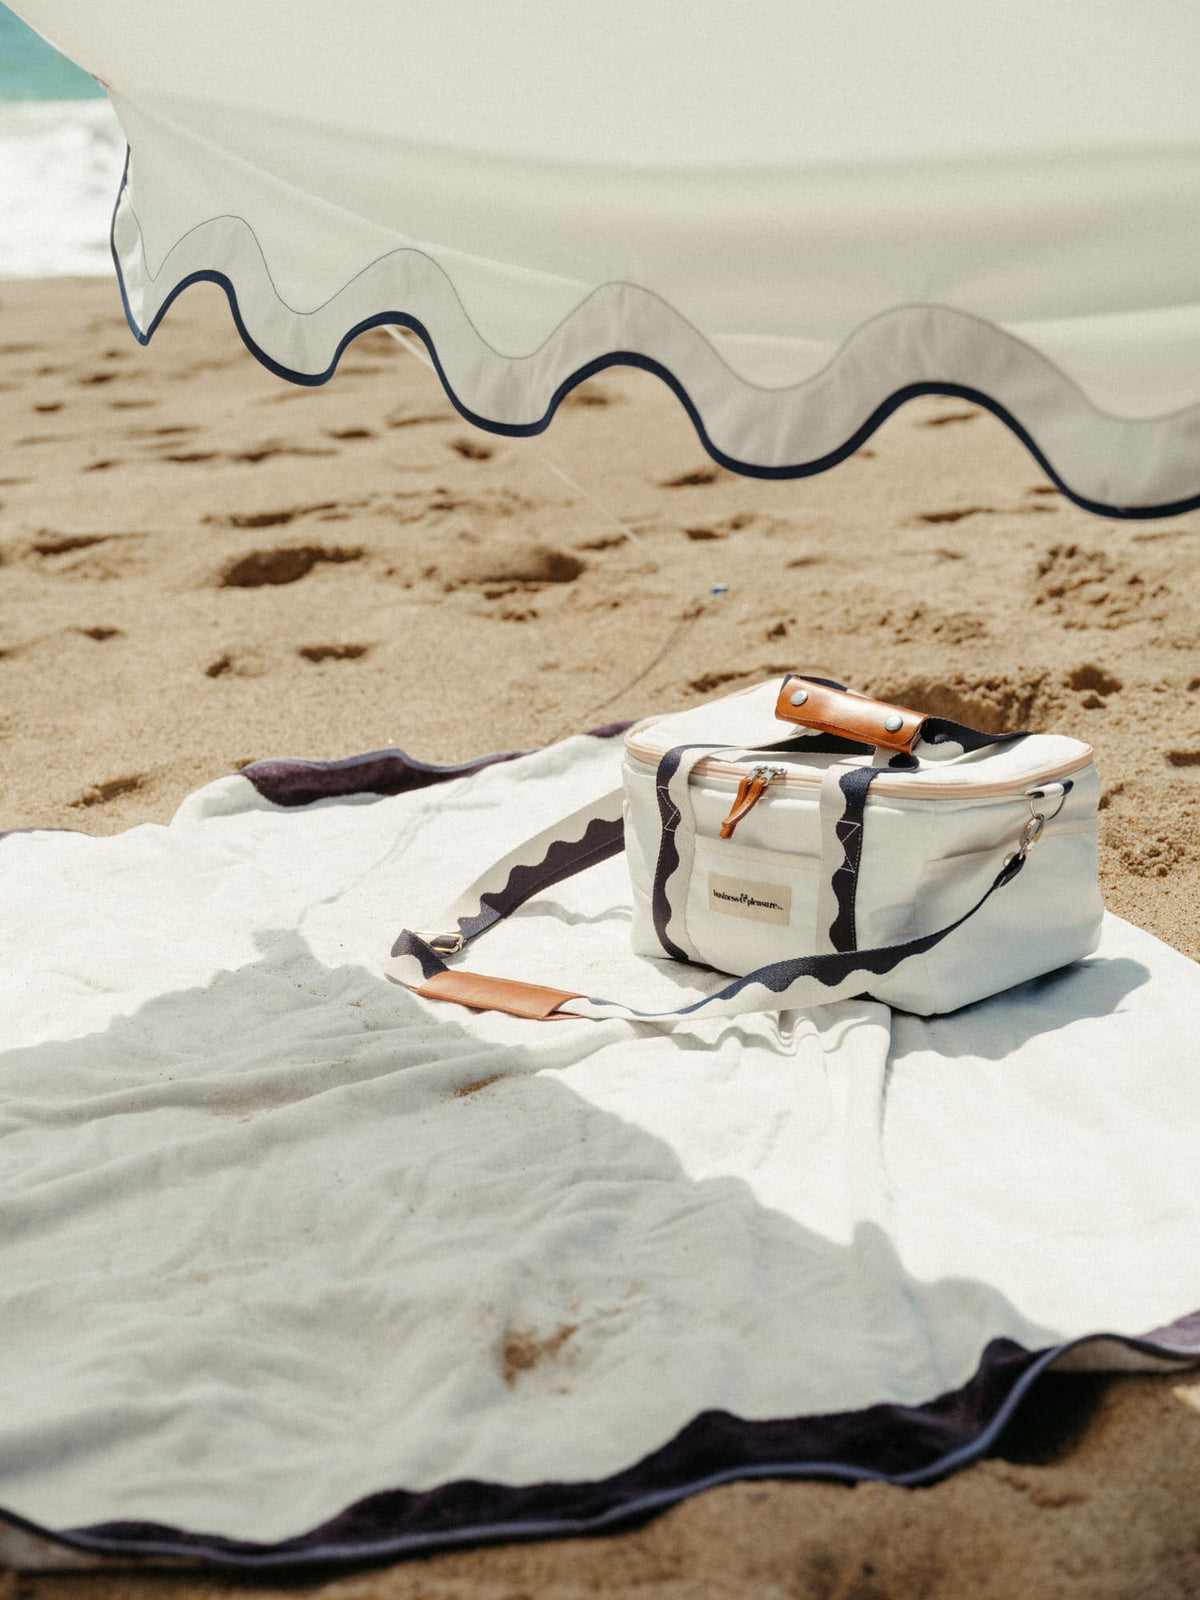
{"type": "Point", "coordinates": [927, 845]}
{"type": "Point", "coordinates": [794, 213]}
{"type": "Point", "coordinates": [279, 1236]}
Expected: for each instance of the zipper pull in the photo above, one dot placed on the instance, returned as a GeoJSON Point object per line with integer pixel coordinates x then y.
{"type": "Point", "coordinates": [750, 792]}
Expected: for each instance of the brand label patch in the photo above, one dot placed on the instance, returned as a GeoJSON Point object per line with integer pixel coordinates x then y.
{"type": "Point", "coordinates": [736, 897]}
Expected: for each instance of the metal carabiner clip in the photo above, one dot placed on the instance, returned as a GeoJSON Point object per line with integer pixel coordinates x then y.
{"type": "Point", "coordinates": [1030, 834]}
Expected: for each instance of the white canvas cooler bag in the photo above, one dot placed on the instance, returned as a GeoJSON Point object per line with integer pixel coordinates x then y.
{"type": "Point", "coordinates": [817, 845]}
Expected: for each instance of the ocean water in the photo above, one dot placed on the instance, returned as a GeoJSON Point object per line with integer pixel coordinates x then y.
{"type": "Point", "coordinates": [30, 69]}
{"type": "Point", "coordinates": [61, 154]}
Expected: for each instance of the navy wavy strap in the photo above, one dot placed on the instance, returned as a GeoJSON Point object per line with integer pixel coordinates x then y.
{"type": "Point", "coordinates": [667, 863]}
{"type": "Point", "coordinates": [830, 969]}
{"type": "Point", "coordinates": [843, 932]}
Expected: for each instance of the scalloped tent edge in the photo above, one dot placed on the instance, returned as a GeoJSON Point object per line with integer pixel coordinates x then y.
{"type": "Point", "coordinates": [1065, 400]}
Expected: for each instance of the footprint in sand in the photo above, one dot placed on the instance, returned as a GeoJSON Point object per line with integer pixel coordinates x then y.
{"type": "Point", "coordinates": [323, 510]}
{"type": "Point", "coordinates": [946, 418]}
{"type": "Point", "coordinates": [489, 503]}
{"type": "Point", "coordinates": [960, 513]}
{"type": "Point", "coordinates": [500, 568]}
{"type": "Point", "coordinates": [914, 623]}
{"type": "Point", "coordinates": [956, 514]}
{"type": "Point", "coordinates": [262, 519]}
{"type": "Point", "coordinates": [332, 652]}
{"type": "Point", "coordinates": [590, 393]}
{"type": "Point", "coordinates": [472, 449]}
{"type": "Point", "coordinates": [719, 530]}
{"type": "Point", "coordinates": [165, 437]}
{"type": "Point", "coordinates": [111, 789]}
{"type": "Point", "coordinates": [994, 705]}
{"type": "Point", "coordinates": [101, 635]}
{"type": "Point", "coordinates": [286, 564]}
{"type": "Point", "coordinates": [1184, 758]}
{"type": "Point", "coordinates": [267, 452]}
{"type": "Point", "coordinates": [1146, 855]}
{"type": "Point", "coordinates": [1089, 589]}
{"type": "Point", "coordinates": [1095, 683]}
{"type": "Point", "coordinates": [416, 419]}
{"type": "Point", "coordinates": [691, 480]}
{"type": "Point", "coordinates": [708, 682]}
{"type": "Point", "coordinates": [605, 541]}
{"type": "Point", "coordinates": [63, 554]}
{"type": "Point", "coordinates": [249, 663]}
{"type": "Point", "coordinates": [61, 544]}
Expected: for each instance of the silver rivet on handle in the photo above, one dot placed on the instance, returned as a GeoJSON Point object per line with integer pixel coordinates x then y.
{"type": "Point", "coordinates": [893, 724]}
{"type": "Point", "coordinates": [799, 697]}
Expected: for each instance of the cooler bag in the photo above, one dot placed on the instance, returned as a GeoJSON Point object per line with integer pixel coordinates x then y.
{"type": "Point", "coordinates": [818, 845]}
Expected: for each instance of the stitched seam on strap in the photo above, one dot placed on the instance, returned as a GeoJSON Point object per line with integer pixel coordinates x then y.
{"type": "Point", "coordinates": [564, 857]}
{"type": "Point", "coordinates": [843, 931]}
{"type": "Point", "coordinates": [668, 851]}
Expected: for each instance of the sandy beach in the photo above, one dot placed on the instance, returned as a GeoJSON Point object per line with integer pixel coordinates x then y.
{"type": "Point", "coordinates": [202, 566]}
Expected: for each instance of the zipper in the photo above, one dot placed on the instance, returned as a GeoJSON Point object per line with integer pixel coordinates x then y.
{"type": "Point", "coordinates": [750, 791]}
{"type": "Point", "coordinates": [899, 787]}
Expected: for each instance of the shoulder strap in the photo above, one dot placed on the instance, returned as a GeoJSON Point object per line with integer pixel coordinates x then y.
{"type": "Point", "coordinates": [800, 981]}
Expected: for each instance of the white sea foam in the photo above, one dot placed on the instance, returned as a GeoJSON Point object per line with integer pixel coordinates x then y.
{"type": "Point", "coordinates": [60, 168]}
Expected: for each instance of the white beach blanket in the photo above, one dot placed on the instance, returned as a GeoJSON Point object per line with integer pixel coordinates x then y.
{"type": "Point", "coordinates": [297, 1265]}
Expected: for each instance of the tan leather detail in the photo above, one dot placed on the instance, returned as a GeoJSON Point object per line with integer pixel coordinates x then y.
{"type": "Point", "coordinates": [481, 993]}
{"type": "Point", "coordinates": [749, 793]}
{"type": "Point", "coordinates": [854, 716]}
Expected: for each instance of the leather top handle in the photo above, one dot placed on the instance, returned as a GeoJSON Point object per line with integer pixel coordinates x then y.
{"type": "Point", "coordinates": [812, 704]}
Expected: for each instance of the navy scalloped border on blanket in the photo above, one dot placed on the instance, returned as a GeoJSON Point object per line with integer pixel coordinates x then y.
{"type": "Point", "coordinates": [904, 1445]}
{"type": "Point", "coordinates": [625, 358]}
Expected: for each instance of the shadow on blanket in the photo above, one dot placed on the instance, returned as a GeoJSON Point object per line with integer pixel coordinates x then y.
{"type": "Point", "coordinates": [995, 1028]}
{"type": "Point", "coordinates": [295, 1270]}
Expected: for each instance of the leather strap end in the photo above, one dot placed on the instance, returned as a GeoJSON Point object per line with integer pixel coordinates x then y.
{"type": "Point", "coordinates": [481, 993]}
{"type": "Point", "coordinates": [853, 716]}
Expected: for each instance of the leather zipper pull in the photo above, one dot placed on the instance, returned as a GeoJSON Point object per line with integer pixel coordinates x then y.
{"type": "Point", "coordinates": [750, 792]}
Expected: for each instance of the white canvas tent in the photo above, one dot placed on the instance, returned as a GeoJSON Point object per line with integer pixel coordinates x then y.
{"type": "Point", "coordinates": [796, 214]}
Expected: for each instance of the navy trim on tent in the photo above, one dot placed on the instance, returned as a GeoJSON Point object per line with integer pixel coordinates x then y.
{"type": "Point", "coordinates": [626, 358]}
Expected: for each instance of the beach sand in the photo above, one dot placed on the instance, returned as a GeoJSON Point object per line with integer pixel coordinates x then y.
{"type": "Point", "coordinates": [201, 566]}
